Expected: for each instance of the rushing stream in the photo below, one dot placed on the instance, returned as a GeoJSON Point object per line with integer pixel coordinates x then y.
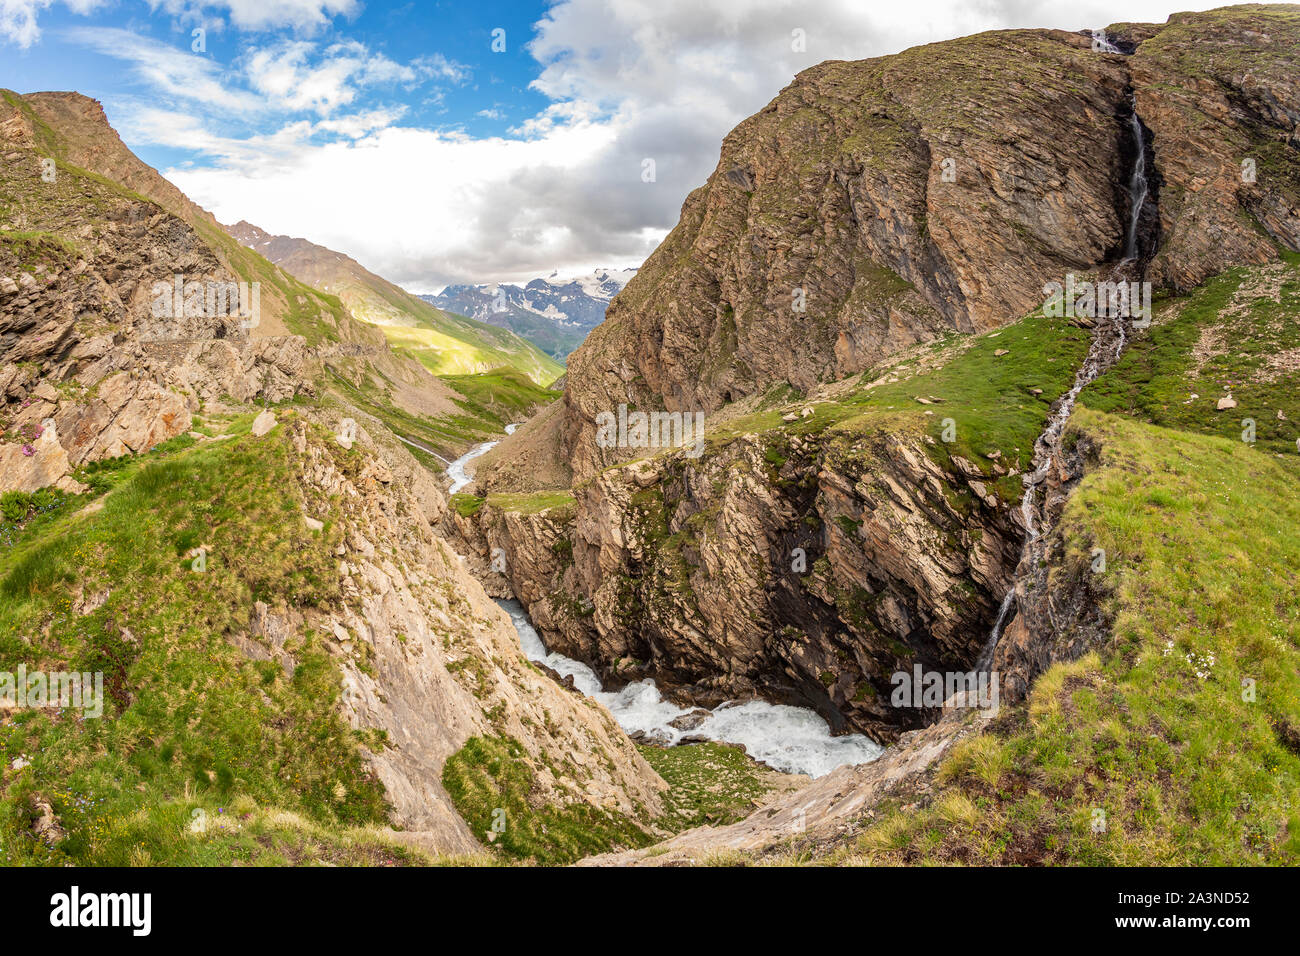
{"type": "Point", "coordinates": [790, 739]}
{"type": "Point", "coordinates": [795, 739]}
{"type": "Point", "coordinates": [456, 470]}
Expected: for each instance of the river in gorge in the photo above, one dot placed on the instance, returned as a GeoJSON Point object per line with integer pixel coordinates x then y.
{"type": "Point", "coordinates": [785, 738]}
{"type": "Point", "coordinates": [789, 739]}
{"type": "Point", "coordinates": [456, 470]}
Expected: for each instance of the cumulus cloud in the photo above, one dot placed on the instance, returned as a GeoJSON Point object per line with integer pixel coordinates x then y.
{"type": "Point", "coordinates": [628, 81]}
{"type": "Point", "coordinates": [305, 16]}
{"type": "Point", "coordinates": [638, 79]}
{"type": "Point", "coordinates": [297, 75]}
{"type": "Point", "coordinates": [18, 18]}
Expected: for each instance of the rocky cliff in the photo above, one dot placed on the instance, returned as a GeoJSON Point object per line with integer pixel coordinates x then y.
{"type": "Point", "coordinates": [429, 660]}
{"type": "Point", "coordinates": [893, 489]}
{"type": "Point", "coordinates": [96, 373]}
{"type": "Point", "coordinates": [91, 368]}
{"type": "Point", "coordinates": [813, 549]}
{"type": "Point", "coordinates": [879, 203]}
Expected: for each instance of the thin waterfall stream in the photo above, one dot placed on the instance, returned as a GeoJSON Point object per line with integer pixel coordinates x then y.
{"type": "Point", "coordinates": [1109, 337]}
{"type": "Point", "coordinates": [796, 739]}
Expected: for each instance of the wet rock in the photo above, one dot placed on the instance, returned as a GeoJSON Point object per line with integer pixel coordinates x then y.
{"type": "Point", "coordinates": [690, 721]}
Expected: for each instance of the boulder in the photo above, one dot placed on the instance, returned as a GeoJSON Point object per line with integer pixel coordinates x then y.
{"type": "Point", "coordinates": [262, 424]}
{"type": "Point", "coordinates": [32, 465]}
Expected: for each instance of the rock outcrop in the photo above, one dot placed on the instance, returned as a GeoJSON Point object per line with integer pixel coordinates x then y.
{"type": "Point", "coordinates": [803, 569]}
{"type": "Point", "coordinates": [871, 206]}
{"type": "Point", "coordinates": [94, 364]}
{"type": "Point", "coordinates": [879, 203]}
{"type": "Point", "coordinates": [83, 340]}
{"type": "Point", "coordinates": [428, 658]}
{"type": "Point", "coordinates": [1220, 94]}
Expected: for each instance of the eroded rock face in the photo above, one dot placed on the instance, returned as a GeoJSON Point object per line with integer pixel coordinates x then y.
{"type": "Point", "coordinates": [898, 198]}
{"type": "Point", "coordinates": [82, 340]}
{"type": "Point", "coordinates": [1220, 94]}
{"type": "Point", "coordinates": [799, 569]}
{"type": "Point", "coordinates": [31, 465]}
{"type": "Point", "coordinates": [429, 659]}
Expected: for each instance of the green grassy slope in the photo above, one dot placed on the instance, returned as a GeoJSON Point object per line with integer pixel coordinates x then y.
{"type": "Point", "coordinates": [958, 392]}
{"type": "Point", "coordinates": [455, 345]}
{"type": "Point", "coordinates": [1153, 749]}
{"type": "Point", "coordinates": [303, 310]}
{"type": "Point", "coordinates": [192, 728]}
{"type": "Point", "coordinates": [1237, 335]}
{"type": "Point", "coordinates": [1177, 742]}
{"type": "Point", "coordinates": [444, 342]}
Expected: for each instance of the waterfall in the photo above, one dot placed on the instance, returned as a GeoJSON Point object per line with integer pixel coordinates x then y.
{"type": "Point", "coordinates": [1110, 335]}
{"type": "Point", "coordinates": [1101, 44]}
{"type": "Point", "coordinates": [1137, 185]}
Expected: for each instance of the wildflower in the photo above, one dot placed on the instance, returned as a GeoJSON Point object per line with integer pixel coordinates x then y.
{"type": "Point", "coordinates": [28, 451]}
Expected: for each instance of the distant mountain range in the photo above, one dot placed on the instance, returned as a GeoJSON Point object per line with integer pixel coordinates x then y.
{"type": "Point", "coordinates": [553, 313]}
{"type": "Point", "coordinates": [446, 344]}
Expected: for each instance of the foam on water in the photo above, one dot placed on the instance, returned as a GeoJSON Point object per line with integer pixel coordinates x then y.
{"type": "Point", "coordinates": [456, 470]}
{"type": "Point", "coordinates": [790, 739]}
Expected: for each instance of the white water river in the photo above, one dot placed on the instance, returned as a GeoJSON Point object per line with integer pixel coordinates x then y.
{"type": "Point", "coordinates": [456, 470]}
{"type": "Point", "coordinates": [789, 739]}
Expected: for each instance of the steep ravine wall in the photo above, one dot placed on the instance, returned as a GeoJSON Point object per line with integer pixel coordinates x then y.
{"type": "Point", "coordinates": [1063, 616]}
{"type": "Point", "coordinates": [803, 569]}
{"type": "Point", "coordinates": [937, 190]}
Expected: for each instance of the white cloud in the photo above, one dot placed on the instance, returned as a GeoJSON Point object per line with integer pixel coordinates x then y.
{"type": "Point", "coordinates": [171, 70]}
{"type": "Point", "coordinates": [305, 16]}
{"type": "Point", "coordinates": [297, 75]}
{"type": "Point", "coordinates": [422, 204]}
{"type": "Point", "coordinates": [636, 79]}
{"type": "Point", "coordinates": [628, 80]}
{"type": "Point", "coordinates": [18, 17]}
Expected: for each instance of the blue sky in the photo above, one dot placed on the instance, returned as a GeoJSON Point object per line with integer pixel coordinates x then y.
{"type": "Point", "coordinates": [494, 92]}
{"type": "Point", "coordinates": [395, 133]}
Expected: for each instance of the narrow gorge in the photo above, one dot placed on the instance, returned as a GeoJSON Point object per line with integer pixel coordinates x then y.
{"type": "Point", "coordinates": [820, 546]}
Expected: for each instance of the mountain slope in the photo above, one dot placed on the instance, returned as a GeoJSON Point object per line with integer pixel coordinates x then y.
{"type": "Point", "coordinates": [291, 656]}
{"type": "Point", "coordinates": [839, 197]}
{"type": "Point", "coordinates": [855, 509]}
{"type": "Point", "coordinates": [73, 128]}
{"type": "Point", "coordinates": [1168, 671]}
{"type": "Point", "coordinates": [446, 344]}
